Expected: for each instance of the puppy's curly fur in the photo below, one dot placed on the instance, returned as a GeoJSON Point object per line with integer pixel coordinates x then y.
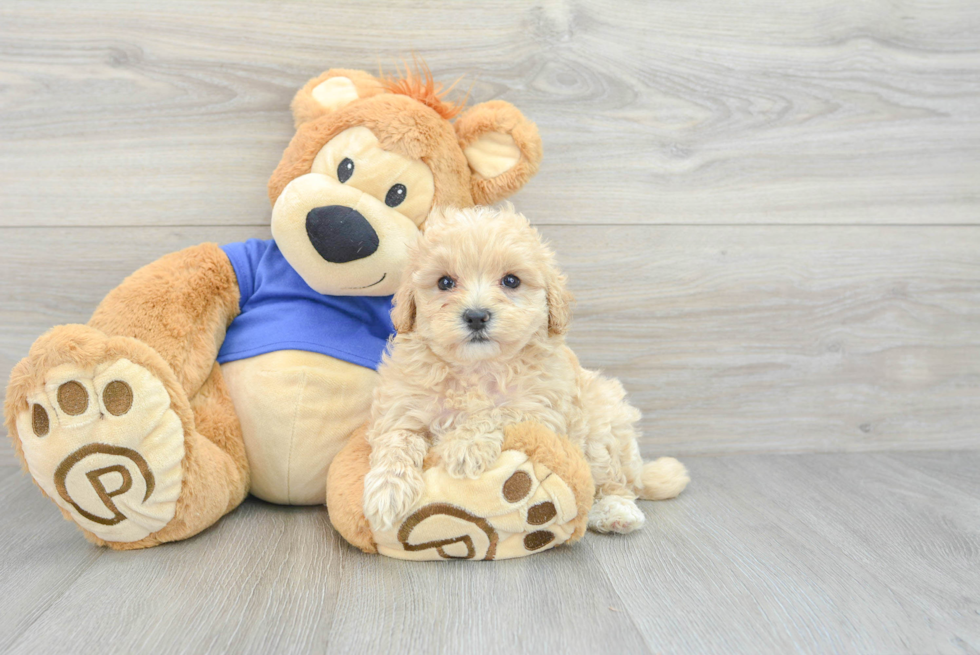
{"type": "Point", "coordinates": [481, 315]}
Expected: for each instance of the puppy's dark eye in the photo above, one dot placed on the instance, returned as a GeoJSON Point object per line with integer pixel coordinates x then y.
{"type": "Point", "coordinates": [396, 195]}
{"type": "Point", "coordinates": [345, 170]}
{"type": "Point", "coordinates": [446, 283]}
{"type": "Point", "coordinates": [510, 281]}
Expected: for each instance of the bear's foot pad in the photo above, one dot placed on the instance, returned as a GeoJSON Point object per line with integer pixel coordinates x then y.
{"type": "Point", "coordinates": [516, 508]}
{"type": "Point", "coordinates": [102, 440]}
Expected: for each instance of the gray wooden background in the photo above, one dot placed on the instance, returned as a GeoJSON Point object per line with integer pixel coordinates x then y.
{"type": "Point", "coordinates": [769, 211]}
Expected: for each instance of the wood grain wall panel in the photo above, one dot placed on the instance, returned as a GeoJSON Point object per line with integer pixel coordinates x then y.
{"type": "Point", "coordinates": [142, 113]}
{"type": "Point", "coordinates": [729, 338]}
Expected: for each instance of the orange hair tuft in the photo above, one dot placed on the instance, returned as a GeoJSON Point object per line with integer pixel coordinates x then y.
{"type": "Point", "coordinates": [417, 83]}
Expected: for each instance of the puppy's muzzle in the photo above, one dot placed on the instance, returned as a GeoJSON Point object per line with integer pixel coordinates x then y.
{"type": "Point", "coordinates": [476, 319]}
{"type": "Point", "coordinates": [340, 234]}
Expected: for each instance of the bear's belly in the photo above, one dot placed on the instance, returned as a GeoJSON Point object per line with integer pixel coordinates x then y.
{"type": "Point", "coordinates": [297, 410]}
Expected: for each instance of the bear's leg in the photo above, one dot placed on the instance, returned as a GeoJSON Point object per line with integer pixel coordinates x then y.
{"type": "Point", "coordinates": [109, 435]}
{"type": "Point", "coordinates": [536, 496]}
{"type": "Point", "coordinates": [126, 423]}
{"type": "Point", "coordinates": [180, 305]}
{"type": "Point", "coordinates": [216, 421]}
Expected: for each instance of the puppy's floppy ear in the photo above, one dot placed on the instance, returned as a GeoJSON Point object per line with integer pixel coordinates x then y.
{"type": "Point", "coordinates": [332, 90]}
{"type": "Point", "coordinates": [403, 313]}
{"type": "Point", "coordinates": [502, 148]}
{"type": "Point", "coordinates": [559, 302]}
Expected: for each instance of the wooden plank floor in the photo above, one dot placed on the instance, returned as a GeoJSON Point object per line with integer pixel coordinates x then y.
{"type": "Point", "coordinates": [843, 553]}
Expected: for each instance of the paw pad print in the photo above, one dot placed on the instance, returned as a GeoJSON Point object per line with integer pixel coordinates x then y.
{"type": "Point", "coordinates": [104, 443]}
{"type": "Point", "coordinates": [517, 507]}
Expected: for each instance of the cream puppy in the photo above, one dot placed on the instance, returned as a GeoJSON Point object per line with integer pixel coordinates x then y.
{"type": "Point", "coordinates": [481, 316]}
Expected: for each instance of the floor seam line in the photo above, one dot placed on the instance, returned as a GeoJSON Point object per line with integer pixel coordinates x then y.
{"type": "Point", "coordinates": [54, 600]}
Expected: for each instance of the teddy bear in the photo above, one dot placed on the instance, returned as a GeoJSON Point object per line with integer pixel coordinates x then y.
{"type": "Point", "coordinates": [219, 371]}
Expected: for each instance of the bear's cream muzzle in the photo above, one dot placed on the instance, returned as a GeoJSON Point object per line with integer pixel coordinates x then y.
{"type": "Point", "coordinates": [341, 241]}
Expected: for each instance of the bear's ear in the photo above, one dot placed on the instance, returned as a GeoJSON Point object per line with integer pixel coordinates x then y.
{"type": "Point", "coordinates": [502, 147]}
{"type": "Point", "coordinates": [327, 93]}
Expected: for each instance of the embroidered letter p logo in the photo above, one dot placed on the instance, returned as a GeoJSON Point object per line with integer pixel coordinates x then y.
{"type": "Point", "coordinates": [92, 491]}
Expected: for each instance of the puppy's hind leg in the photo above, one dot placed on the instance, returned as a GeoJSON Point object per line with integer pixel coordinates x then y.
{"type": "Point", "coordinates": [614, 509]}
{"type": "Point", "coordinates": [619, 471]}
{"type": "Point", "coordinates": [660, 479]}
{"type": "Point", "coordinates": [617, 487]}
{"type": "Point", "coordinates": [615, 514]}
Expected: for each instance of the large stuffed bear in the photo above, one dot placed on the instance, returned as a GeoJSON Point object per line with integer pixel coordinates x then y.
{"type": "Point", "coordinates": [216, 372]}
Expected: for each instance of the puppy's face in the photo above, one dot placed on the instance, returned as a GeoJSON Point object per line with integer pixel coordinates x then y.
{"type": "Point", "coordinates": [481, 286]}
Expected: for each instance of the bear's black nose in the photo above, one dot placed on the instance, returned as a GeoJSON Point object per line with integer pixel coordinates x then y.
{"type": "Point", "coordinates": [340, 234]}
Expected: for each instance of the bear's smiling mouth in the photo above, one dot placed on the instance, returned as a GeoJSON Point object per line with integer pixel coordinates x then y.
{"type": "Point", "coordinates": [373, 284]}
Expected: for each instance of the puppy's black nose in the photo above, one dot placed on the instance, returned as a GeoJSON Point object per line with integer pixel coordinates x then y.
{"type": "Point", "coordinates": [340, 234]}
{"type": "Point", "coordinates": [476, 319]}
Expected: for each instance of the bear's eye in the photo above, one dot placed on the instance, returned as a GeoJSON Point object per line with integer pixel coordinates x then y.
{"type": "Point", "coordinates": [396, 195]}
{"type": "Point", "coordinates": [446, 283]}
{"type": "Point", "coordinates": [345, 170]}
{"type": "Point", "coordinates": [510, 281]}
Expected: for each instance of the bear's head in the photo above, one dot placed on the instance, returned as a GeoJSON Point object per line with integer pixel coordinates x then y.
{"type": "Point", "coordinates": [371, 157]}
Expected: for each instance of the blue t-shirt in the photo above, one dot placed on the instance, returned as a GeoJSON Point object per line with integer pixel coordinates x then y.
{"type": "Point", "coordinates": [279, 311]}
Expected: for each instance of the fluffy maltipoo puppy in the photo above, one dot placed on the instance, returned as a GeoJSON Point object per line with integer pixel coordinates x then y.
{"type": "Point", "coordinates": [481, 316]}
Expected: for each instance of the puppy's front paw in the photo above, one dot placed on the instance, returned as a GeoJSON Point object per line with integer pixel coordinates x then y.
{"type": "Point", "coordinates": [469, 458]}
{"type": "Point", "coordinates": [390, 495]}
